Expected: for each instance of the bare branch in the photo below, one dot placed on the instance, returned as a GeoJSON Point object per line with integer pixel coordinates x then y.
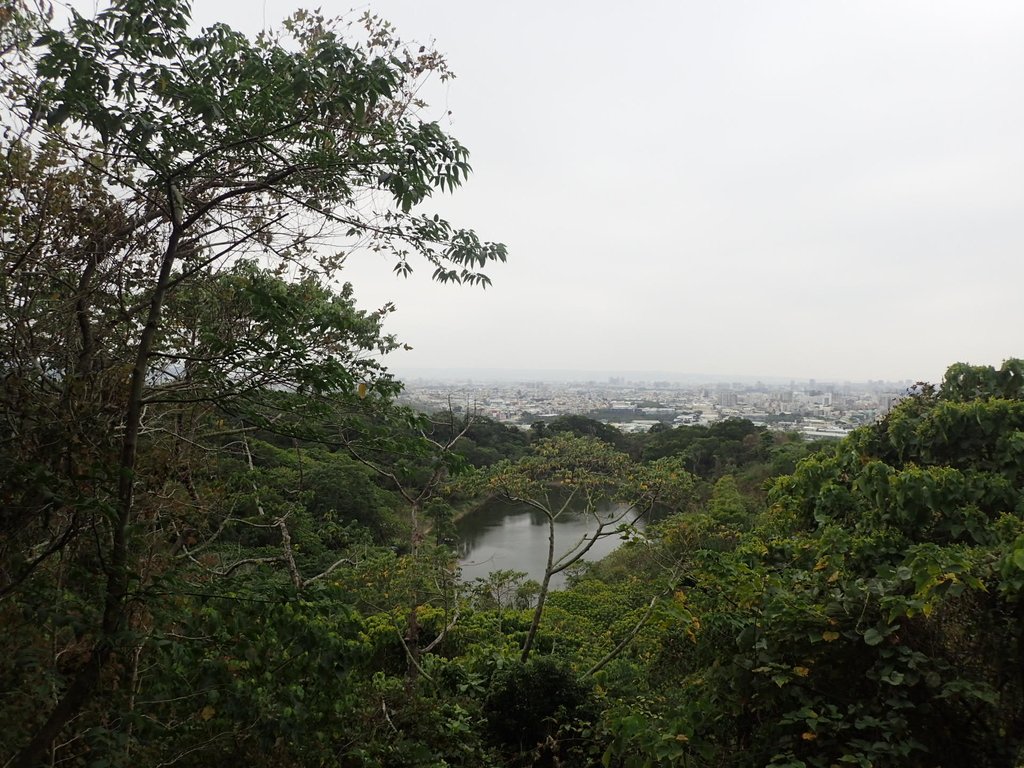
{"type": "Point", "coordinates": [331, 569]}
{"type": "Point", "coordinates": [437, 640]}
{"type": "Point", "coordinates": [625, 640]}
{"type": "Point", "coordinates": [289, 556]}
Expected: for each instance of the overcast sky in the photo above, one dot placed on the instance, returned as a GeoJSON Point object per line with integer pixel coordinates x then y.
{"type": "Point", "coordinates": [799, 189]}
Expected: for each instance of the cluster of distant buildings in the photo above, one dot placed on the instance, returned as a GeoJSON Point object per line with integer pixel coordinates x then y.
{"type": "Point", "coordinates": [818, 410]}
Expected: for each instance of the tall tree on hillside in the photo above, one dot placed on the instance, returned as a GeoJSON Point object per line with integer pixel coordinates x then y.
{"type": "Point", "coordinates": [173, 207]}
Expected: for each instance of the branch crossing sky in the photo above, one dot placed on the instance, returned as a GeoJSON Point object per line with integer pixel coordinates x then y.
{"type": "Point", "coordinates": [795, 188]}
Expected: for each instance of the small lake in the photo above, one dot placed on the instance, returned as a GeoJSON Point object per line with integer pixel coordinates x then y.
{"type": "Point", "coordinates": [504, 536]}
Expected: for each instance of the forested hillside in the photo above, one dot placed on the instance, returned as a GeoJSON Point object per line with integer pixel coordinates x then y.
{"type": "Point", "coordinates": [222, 542]}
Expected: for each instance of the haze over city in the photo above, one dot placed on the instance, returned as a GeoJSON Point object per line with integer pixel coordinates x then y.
{"type": "Point", "coordinates": [795, 189]}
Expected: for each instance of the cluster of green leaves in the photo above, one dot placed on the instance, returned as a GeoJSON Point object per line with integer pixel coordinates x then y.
{"type": "Point", "coordinates": [213, 545]}
{"type": "Point", "coordinates": [487, 442]}
{"type": "Point", "coordinates": [583, 426]}
{"type": "Point", "coordinates": [871, 616]}
{"type": "Point", "coordinates": [751, 454]}
{"type": "Point", "coordinates": [181, 368]}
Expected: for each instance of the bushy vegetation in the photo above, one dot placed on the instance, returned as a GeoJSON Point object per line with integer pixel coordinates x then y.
{"type": "Point", "coordinates": [868, 612]}
{"type": "Point", "coordinates": [222, 542]}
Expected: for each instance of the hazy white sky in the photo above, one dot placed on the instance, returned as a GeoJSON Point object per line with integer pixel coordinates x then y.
{"type": "Point", "coordinates": [795, 188]}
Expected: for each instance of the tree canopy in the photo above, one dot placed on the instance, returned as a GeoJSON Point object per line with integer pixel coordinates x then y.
{"type": "Point", "coordinates": [223, 541]}
{"type": "Point", "coordinates": [175, 209]}
{"type": "Point", "coordinates": [872, 614]}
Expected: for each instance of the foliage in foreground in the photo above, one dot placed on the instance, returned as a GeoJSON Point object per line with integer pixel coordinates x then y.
{"type": "Point", "coordinates": [873, 614]}
{"type": "Point", "coordinates": [212, 546]}
{"type": "Point", "coordinates": [869, 616]}
{"type": "Point", "coordinates": [175, 207]}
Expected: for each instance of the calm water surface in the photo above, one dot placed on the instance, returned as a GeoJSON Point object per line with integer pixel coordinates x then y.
{"type": "Point", "coordinates": [503, 536]}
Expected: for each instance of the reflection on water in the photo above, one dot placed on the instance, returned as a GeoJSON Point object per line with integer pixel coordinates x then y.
{"type": "Point", "coordinates": [504, 536]}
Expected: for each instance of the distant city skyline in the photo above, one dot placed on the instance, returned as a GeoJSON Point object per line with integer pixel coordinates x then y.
{"type": "Point", "coordinates": [608, 376]}
{"type": "Point", "coordinates": [817, 410]}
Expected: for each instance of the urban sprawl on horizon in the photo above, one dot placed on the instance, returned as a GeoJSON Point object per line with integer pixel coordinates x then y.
{"type": "Point", "coordinates": [815, 409]}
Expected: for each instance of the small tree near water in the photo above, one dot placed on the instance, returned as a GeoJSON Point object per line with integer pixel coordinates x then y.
{"type": "Point", "coordinates": [578, 474]}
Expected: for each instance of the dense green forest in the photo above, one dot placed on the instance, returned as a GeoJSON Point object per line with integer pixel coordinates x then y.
{"type": "Point", "coordinates": [223, 542]}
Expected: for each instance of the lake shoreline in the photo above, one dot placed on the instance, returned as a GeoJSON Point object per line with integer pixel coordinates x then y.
{"type": "Point", "coordinates": [463, 510]}
{"type": "Point", "coordinates": [495, 535]}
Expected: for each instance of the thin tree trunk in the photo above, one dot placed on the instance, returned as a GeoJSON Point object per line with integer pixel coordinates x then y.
{"type": "Point", "coordinates": [412, 629]}
{"type": "Point", "coordinates": [84, 684]}
{"type": "Point", "coordinates": [625, 641]}
{"type": "Point", "coordinates": [543, 594]}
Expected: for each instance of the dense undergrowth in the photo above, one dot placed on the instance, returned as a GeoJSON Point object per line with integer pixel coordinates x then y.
{"type": "Point", "coordinates": [223, 542]}
{"type": "Point", "coordinates": [865, 612]}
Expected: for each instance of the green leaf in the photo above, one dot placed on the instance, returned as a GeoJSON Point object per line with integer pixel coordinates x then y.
{"type": "Point", "coordinates": [59, 114]}
{"type": "Point", "coordinates": [893, 678]}
{"type": "Point", "coordinates": [1018, 558]}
